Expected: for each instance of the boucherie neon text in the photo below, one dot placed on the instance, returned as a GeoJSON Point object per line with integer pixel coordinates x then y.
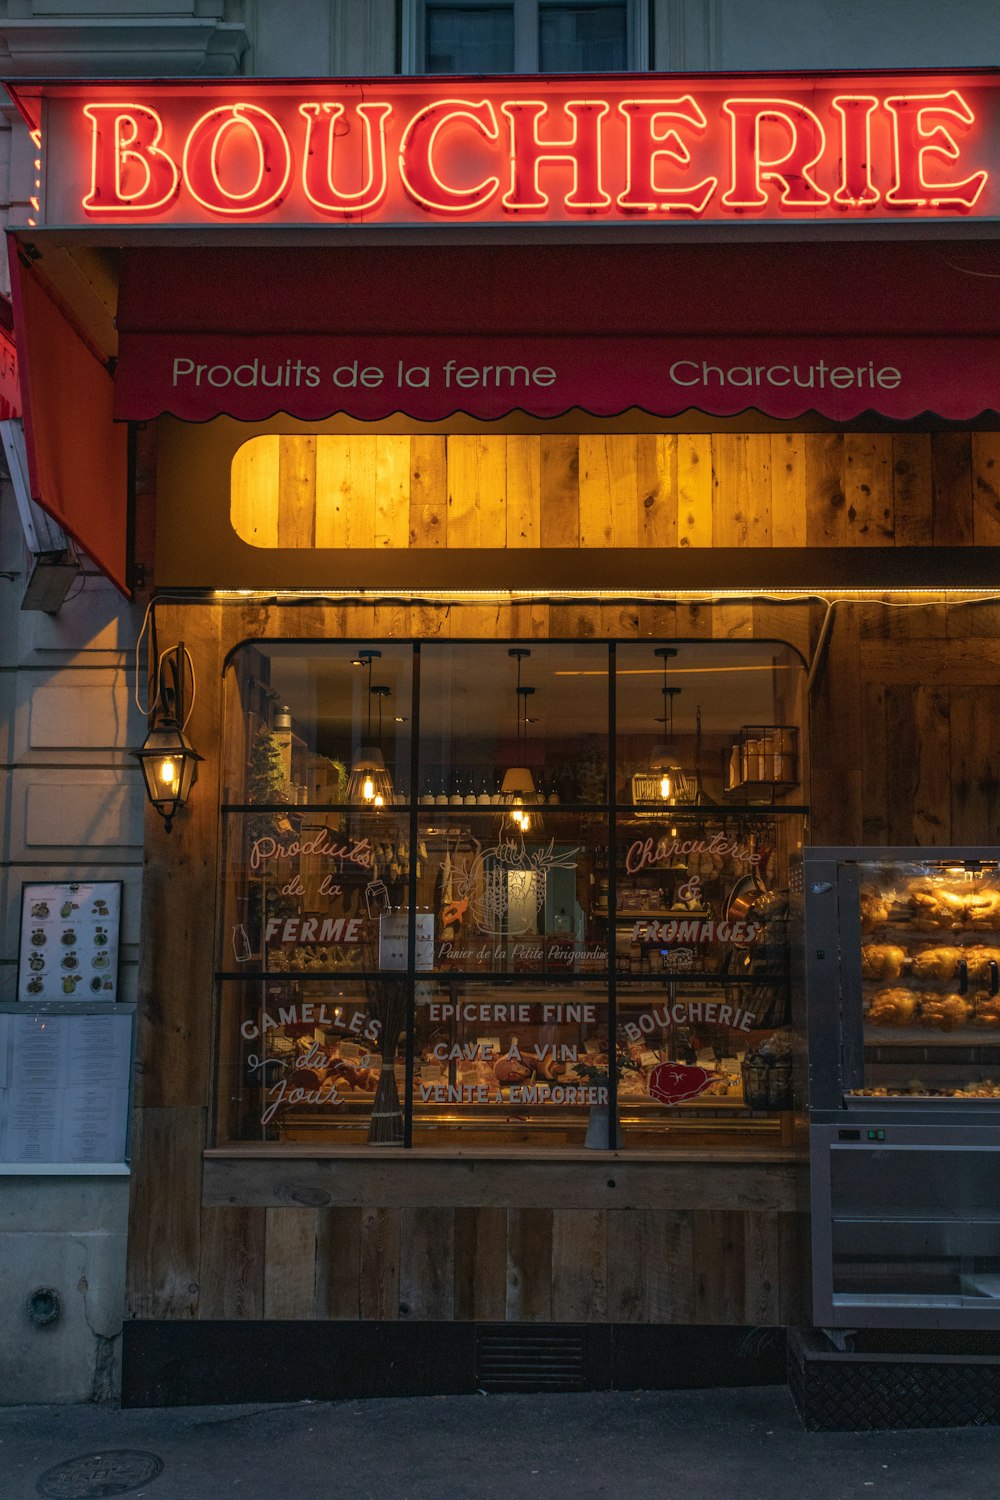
{"type": "Point", "coordinates": [528, 150]}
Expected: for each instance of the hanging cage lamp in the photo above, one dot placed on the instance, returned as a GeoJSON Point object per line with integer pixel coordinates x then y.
{"type": "Point", "coordinates": [369, 784]}
{"type": "Point", "coordinates": [519, 796]}
{"type": "Point", "coordinates": [666, 780]}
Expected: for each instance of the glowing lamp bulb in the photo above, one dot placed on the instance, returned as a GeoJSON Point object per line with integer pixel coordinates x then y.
{"type": "Point", "coordinates": [368, 789]}
{"type": "Point", "coordinates": [167, 772]}
{"type": "Point", "coordinates": [380, 800]}
{"type": "Point", "coordinates": [665, 787]}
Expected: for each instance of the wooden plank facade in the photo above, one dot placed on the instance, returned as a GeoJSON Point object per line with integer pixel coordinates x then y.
{"type": "Point", "coordinates": [904, 718]}
{"type": "Point", "coordinates": [618, 490]}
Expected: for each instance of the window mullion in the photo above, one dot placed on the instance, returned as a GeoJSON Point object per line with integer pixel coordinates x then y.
{"type": "Point", "coordinates": [638, 35]}
{"type": "Point", "coordinates": [526, 49]}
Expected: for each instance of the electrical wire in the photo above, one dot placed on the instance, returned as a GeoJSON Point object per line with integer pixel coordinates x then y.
{"type": "Point", "coordinates": [831, 604]}
{"type": "Point", "coordinates": [147, 619]}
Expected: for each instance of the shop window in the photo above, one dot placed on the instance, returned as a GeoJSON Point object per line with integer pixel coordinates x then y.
{"type": "Point", "coordinates": [525, 36]}
{"type": "Point", "coordinates": [512, 893]}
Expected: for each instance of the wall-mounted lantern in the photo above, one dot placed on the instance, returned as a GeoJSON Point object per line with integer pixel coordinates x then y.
{"type": "Point", "coordinates": [169, 762]}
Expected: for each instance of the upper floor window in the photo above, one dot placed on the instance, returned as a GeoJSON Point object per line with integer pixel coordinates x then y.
{"type": "Point", "coordinates": [525, 36]}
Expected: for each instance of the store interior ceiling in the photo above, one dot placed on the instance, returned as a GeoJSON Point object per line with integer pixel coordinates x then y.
{"type": "Point", "coordinates": [468, 691]}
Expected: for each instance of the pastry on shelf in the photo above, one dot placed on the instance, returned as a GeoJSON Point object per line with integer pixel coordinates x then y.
{"type": "Point", "coordinates": [978, 961]}
{"type": "Point", "coordinates": [892, 1007]}
{"type": "Point", "coordinates": [986, 1009]}
{"type": "Point", "coordinates": [948, 1012]}
{"type": "Point", "coordinates": [937, 963]}
{"type": "Point", "coordinates": [934, 907]}
{"type": "Point", "coordinates": [874, 909]}
{"type": "Point", "coordinates": [882, 961]}
{"type": "Point", "coordinates": [986, 1089]}
{"type": "Point", "coordinates": [983, 909]}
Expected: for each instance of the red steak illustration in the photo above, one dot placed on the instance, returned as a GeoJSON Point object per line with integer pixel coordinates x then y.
{"type": "Point", "coordinates": [671, 1082]}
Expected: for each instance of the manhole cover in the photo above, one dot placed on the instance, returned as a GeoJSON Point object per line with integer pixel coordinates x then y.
{"type": "Point", "coordinates": [117, 1472]}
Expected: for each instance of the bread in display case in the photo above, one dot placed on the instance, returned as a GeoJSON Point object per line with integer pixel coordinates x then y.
{"type": "Point", "coordinates": [930, 979]}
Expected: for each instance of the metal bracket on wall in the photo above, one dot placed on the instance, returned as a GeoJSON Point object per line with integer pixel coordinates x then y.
{"type": "Point", "coordinates": [54, 563]}
{"type": "Point", "coordinates": [822, 642]}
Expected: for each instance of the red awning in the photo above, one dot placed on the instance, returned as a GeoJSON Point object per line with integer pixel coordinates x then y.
{"type": "Point", "coordinates": [77, 454]}
{"type": "Point", "coordinates": [10, 390]}
{"type": "Point", "coordinates": [840, 329]}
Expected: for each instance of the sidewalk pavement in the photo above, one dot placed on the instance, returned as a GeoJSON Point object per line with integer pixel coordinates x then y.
{"type": "Point", "coordinates": [734, 1444]}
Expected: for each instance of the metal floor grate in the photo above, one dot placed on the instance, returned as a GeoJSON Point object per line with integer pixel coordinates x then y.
{"type": "Point", "coordinates": [522, 1358]}
{"type": "Point", "coordinates": [842, 1392]}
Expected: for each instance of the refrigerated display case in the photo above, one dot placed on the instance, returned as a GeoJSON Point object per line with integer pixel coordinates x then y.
{"type": "Point", "coordinates": [901, 970]}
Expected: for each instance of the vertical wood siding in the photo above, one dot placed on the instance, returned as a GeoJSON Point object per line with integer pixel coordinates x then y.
{"type": "Point", "coordinates": [619, 490]}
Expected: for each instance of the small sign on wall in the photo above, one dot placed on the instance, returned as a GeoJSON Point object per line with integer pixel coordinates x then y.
{"type": "Point", "coordinates": [69, 941]}
{"type": "Point", "coordinates": [64, 1089]}
{"type": "Point", "coordinates": [393, 935]}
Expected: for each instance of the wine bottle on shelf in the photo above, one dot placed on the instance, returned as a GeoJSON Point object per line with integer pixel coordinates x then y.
{"type": "Point", "coordinates": [470, 790]}
{"type": "Point", "coordinates": [441, 796]}
{"type": "Point", "coordinates": [483, 799]}
{"type": "Point", "coordinates": [457, 796]}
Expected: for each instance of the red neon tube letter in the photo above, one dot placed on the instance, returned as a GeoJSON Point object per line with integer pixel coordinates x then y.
{"type": "Point", "coordinates": [856, 190]}
{"type": "Point", "coordinates": [317, 170]}
{"type": "Point", "coordinates": [130, 171]}
{"type": "Point", "coordinates": [582, 149]}
{"type": "Point", "coordinates": [650, 135]}
{"type": "Point", "coordinates": [806, 142]}
{"type": "Point", "coordinates": [418, 155]}
{"type": "Point", "coordinates": [918, 133]}
{"type": "Point", "coordinates": [258, 150]}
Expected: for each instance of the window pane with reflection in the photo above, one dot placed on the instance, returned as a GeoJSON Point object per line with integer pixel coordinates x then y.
{"type": "Point", "coordinates": [578, 38]}
{"type": "Point", "coordinates": [469, 39]}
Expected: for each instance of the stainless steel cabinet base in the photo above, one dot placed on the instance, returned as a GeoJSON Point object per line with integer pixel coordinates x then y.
{"type": "Point", "coordinates": [901, 970]}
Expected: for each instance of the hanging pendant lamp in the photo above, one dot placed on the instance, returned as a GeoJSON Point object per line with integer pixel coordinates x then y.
{"type": "Point", "coordinates": [518, 794]}
{"type": "Point", "coordinates": [370, 784]}
{"type": "Point", "coordinates": [664, 766]}
{"type": "Point", "coordinates": [699, 797]}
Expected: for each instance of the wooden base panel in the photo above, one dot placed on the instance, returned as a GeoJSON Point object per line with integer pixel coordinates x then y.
{"type": "Point", "coordinates": [209, 1363]}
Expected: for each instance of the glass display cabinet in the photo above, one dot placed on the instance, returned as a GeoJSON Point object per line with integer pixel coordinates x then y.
{"type": "Point", "coordinates": [901, 962]}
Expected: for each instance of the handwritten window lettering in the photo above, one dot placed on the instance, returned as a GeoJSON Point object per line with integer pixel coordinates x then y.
{"type": "Point", "coordinates": [428, 970]}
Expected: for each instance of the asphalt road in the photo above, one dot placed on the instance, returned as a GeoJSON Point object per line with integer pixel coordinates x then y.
{"type": "Point", "coordinates": [693, 1445]}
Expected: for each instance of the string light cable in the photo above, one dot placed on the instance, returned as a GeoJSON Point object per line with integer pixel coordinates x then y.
{"type": "Point", "coordinates": [428, 599]}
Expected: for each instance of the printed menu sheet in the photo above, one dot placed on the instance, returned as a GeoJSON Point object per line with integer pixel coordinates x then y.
{"type": "Point", "coordinates": [64, 1088]}
{"type": "Point", "coordinates": [69, 941]}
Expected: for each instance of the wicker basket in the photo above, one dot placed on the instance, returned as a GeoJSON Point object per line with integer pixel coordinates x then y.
{"type": "Point", "coordinates": [767, 1084]}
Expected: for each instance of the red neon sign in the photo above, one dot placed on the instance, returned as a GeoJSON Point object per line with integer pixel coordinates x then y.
{"type": "Point", "coordinates": [409, 151]}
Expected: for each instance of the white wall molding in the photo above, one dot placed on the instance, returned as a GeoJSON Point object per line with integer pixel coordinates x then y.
{"type": "Point", "coordinates": [121, 47]}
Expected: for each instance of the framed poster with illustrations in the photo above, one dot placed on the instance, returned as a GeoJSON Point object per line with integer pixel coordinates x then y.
{"type": "Point", "coordinates": [69, 941]}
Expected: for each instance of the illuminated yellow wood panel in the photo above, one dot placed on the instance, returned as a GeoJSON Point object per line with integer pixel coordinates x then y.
{"type": "Point", "coordinates": [254, 499]}
{"type": "Point", "coordinates": [524, 486]}
{"type": "Point", "coordinates": [616, 490]}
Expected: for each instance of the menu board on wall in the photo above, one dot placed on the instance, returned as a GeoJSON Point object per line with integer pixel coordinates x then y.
{"type": "Point", "coordinates": [69, 941]}
{"type": "Point", "coordinates": [64, 1088]}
